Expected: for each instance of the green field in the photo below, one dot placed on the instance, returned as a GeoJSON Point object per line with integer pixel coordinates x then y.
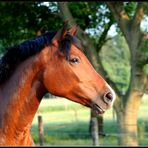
{"type": "Point", "coordinates": [67, 124]}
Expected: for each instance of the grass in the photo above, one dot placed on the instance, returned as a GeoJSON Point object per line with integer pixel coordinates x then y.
{"type": "Point", "coordinates": [67, 124]}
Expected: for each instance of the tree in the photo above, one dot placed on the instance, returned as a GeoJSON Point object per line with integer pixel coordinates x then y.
{"type": "Point", "coordinates": [128, 104]}
{"type": "Point", "coordinates": [22, 20]}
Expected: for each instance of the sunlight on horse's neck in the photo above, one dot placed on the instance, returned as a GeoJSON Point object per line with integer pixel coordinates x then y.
{"type": "Point", "coordinates": [20, 100]}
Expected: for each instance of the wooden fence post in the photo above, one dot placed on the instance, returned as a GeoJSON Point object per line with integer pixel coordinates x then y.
{"type": "Point", "coordinates": [94, 131]}
{"type": "Point", "coordinates": [93, 128]}
{"type": "Point", "coordinates": [41, 130]}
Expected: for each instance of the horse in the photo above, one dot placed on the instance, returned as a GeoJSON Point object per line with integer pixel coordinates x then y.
{"type": "Point", "coordinates": [55, 63]}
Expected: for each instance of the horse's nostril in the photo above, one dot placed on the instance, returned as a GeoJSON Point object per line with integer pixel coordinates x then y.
{"type": "Point", "coordinates": [108, 97]}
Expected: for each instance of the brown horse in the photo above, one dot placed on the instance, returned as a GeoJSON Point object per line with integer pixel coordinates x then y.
{"type": "Point", "coordinates": [52, 62]}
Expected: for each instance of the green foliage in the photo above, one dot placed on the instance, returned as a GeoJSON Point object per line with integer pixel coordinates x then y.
{"type": "Point", "coordinates": [130, 8]}
{"type": "Point", "coordinates": [90, 14]}
{"type": "Point", "coordinates": [145, 48]}
{"type": "Point", "coordinates": [115, 57]}
{"type": "Point", "coordinates": [22, 20]}
{"type": "Point", "coordinates": [145, 68]}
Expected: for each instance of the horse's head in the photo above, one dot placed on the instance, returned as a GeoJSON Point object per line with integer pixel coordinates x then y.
{"type": "Point", "coordinates": [69, 74]}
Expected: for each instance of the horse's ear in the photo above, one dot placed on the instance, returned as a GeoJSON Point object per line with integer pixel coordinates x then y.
{"type": "Point", "coordinates": [73, 30]}
{"type": "Point", "coordinates": [61, 33]}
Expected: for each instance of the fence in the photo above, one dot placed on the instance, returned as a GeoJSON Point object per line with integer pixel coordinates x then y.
{"type": "Point", "coordinates": [94, 138]}
{"type": "Point", "coordinates": [63, 122]}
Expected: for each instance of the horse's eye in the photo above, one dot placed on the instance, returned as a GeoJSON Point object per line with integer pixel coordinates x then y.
{"type": "Point", "coordinates": [74, 60]}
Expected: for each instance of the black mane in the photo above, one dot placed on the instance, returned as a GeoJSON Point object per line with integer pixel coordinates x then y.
{"type": "Point", "coordinates": [14, 55]}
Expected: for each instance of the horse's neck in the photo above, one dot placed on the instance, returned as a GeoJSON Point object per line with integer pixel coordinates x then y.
{"type": "Point", "coordinates": [20, 98]}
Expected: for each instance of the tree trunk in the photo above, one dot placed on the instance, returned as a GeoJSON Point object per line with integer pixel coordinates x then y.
{"type": "Point", "coordinates": [127, 120]}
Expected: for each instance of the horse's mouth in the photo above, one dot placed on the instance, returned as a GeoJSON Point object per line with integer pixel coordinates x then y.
{"type": "Point", "coordinates": [97, 109]}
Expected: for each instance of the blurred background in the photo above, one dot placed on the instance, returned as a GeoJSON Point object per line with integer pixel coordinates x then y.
{"type": "Point", "coordinates": [115, 39]}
